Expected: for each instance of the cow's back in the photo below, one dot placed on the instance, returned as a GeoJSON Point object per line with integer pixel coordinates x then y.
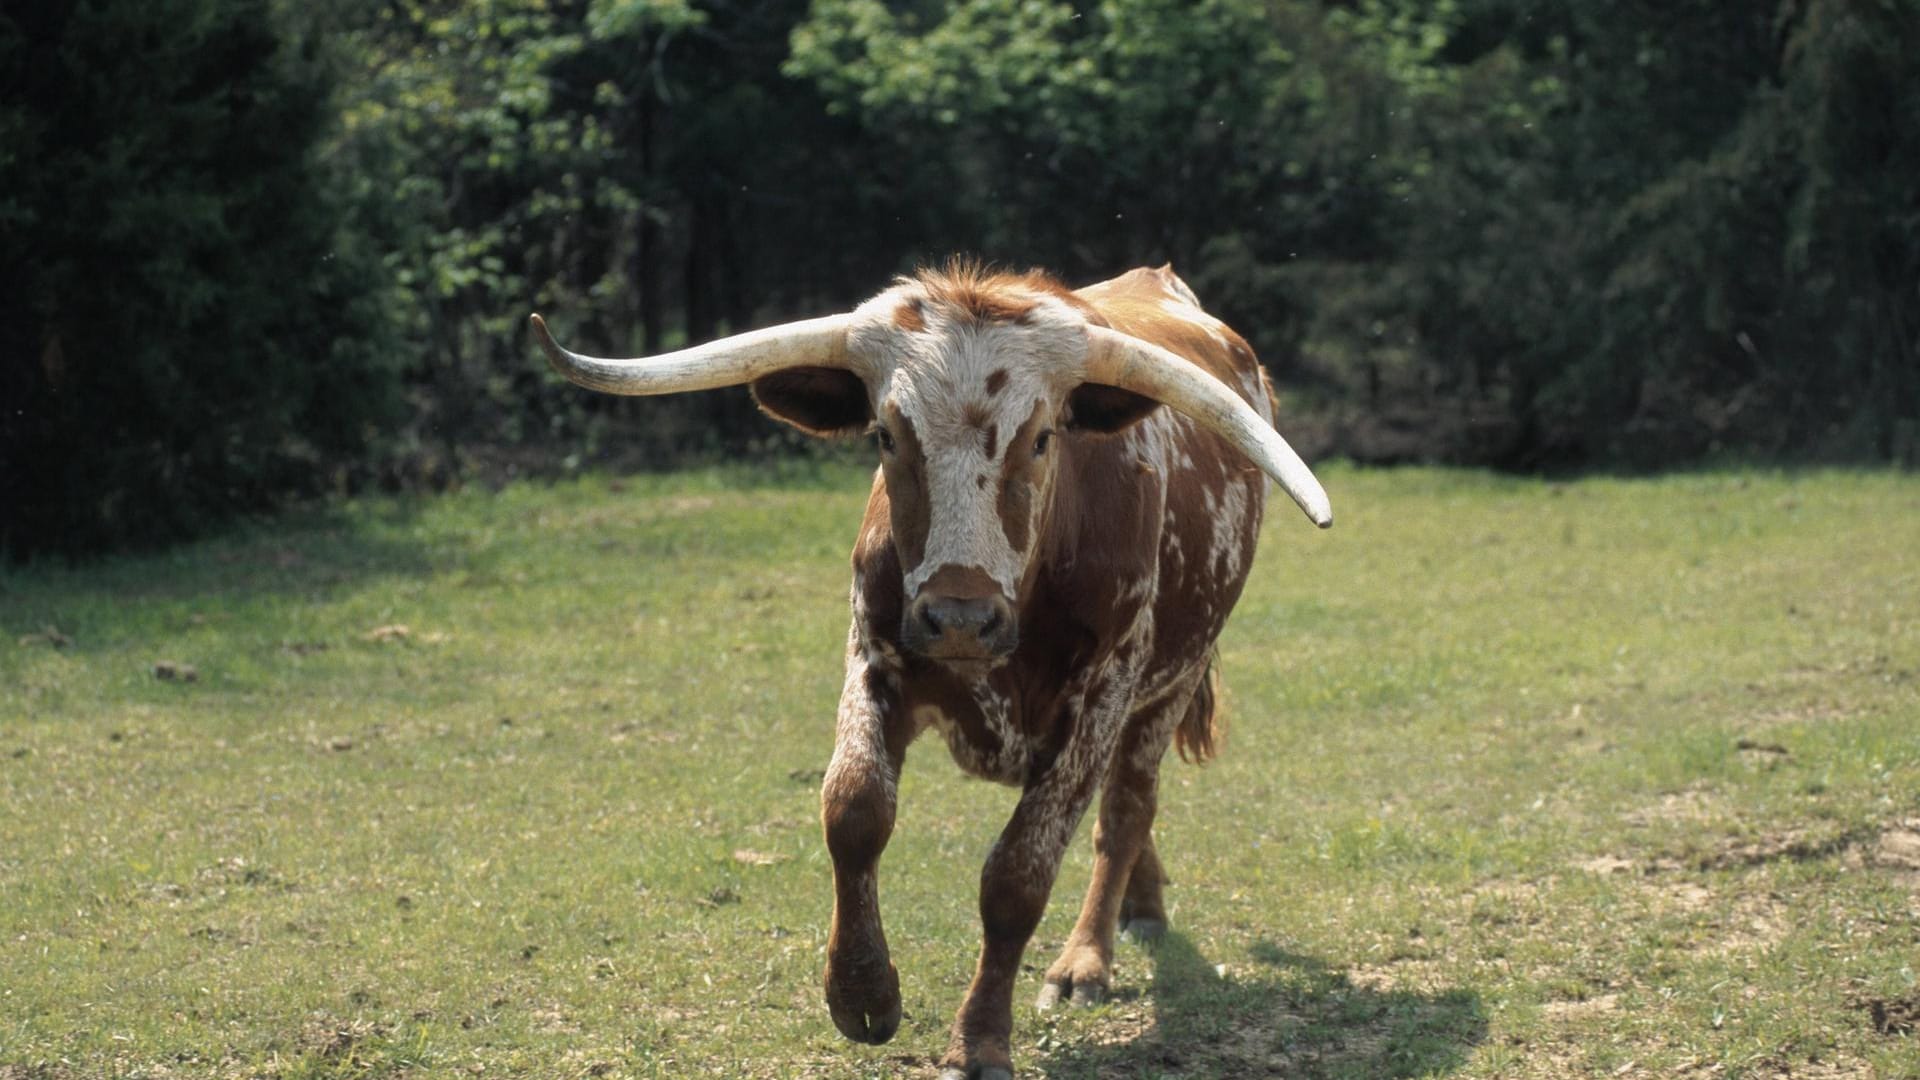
{"type": "Point", "coordinates": [1154, 305]}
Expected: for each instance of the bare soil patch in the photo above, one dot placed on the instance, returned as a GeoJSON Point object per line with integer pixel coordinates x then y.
{"type": "Point", "coordinates": [1692, 805]}
{"type": "Point", "coordinates": [1796, 845]}
{"type": "Point", "coordinates": [1893, 1016]}
{"type": "Point", "coordinates": [1898, 849]}
{"type": "Point", "coordinates": [332, 1037]}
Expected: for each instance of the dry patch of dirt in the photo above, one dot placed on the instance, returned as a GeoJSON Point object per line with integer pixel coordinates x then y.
{"type": "Point", "coordinates": [1694, 804]}
{"type": "Point", "coordinates": [1745, 922]}
{"type": "Point", "coordinates": [36, 1071]}
{"type": "Point", "coordinates": [1412, 976]}
{"type": "Point", "coordinates": [1898, 849]}
{"type": "Point", "coordinates": [1795, 845]}
{"type": "Point", "coordinates": [1893, 1016]}
{"type": "Point", "coordinates": [1777, 1068]}
{"type": "Point", "coordinates": [1733, 920]}
{"type": "Point", "coordinates": [1604, 865]}
{"type": "Point", "coordinates": [1607, 864]}
{"type": "Point", "coordinates": [550, 1017]}
{"type": "Point", "coordinates": [1599, 1005]}
{"type": "Point", "coordinates": [331, 1037]}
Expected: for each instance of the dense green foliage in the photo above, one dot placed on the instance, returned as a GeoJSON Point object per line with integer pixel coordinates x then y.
{"type": "Point", "coordinates": [190, 328]}
{"type": "Point", "coordinates": [1498, 231]}
{"type": "Point", "coordinates": [1705, 229]}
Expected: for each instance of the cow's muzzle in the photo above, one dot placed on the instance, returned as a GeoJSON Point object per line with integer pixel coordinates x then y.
{"type": "Point", "coordinates": [960, 627]}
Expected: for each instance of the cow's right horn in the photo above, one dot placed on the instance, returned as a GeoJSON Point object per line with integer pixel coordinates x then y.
{"type": "Point", "coordinates": [1117, 359]}
{"type": "Point", "coordinates": [730, 361]}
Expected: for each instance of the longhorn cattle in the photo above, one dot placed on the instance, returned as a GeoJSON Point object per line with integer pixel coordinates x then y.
{"type": "Point", "coordinates": [1047, 558]}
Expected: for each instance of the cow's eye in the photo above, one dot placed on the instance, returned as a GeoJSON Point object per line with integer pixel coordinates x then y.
{"type": "Point", "coordinates": [1040, 442]}
{"type": "Point", "coordinates": [884, 438]}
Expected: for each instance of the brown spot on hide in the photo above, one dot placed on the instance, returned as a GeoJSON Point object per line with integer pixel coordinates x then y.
{"type": "Point", "coordinates": [993, 440]}
{"type": "Point", "coordinates": [996, 382]}
{"type": "Point", "coordinates": [957, 582]}
{"type": "Point", "coordinates": [906, 479]}
{"type": "Point", "coordinates": [908, 316]}
{"type": "Point", "coordinates": [1017, 477]}
{"type": "Point", "coordinates": [974, 414]}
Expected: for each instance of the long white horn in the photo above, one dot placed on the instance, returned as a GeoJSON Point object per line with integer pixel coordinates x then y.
{"type": "Point", "coordinates": [1117, 359]}
{"type": "Point", "coordinates": [727, 362]}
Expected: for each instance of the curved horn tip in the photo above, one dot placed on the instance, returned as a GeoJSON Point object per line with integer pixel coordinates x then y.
{"type": "Point", "coordinates": [555, 354]}
{"type": "Point", "coordinates": [1318, 510]}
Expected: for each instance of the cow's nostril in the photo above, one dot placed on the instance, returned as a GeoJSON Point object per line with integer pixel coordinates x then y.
{"type": "Point", "coordinates": [992, 624]}
{"type": "Point", "coordinates": [931, 619]}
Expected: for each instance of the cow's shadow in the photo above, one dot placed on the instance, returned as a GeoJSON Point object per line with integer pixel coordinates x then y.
{"type": "Point", "coordinates": [1291, 1016]}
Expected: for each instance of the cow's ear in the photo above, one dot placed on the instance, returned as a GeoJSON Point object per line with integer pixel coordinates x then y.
{"type": "Point", "coordinates": [1104, 410]}
{"type": "Point", "coordinates": [818, 400]}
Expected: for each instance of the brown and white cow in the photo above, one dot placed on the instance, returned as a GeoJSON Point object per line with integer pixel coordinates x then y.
{"type": "Point", "coordinates": [1047, 559]}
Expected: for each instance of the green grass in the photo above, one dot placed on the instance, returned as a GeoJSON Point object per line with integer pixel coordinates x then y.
{"type": "Point", "coordinates": [1603, 778]}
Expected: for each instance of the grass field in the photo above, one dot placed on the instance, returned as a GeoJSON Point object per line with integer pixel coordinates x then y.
{"type": "Point", "coordinates": [1523, 779]}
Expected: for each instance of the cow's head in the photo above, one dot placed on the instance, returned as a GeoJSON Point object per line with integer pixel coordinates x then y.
{"type": "Point", "coordinates": [966, 381]}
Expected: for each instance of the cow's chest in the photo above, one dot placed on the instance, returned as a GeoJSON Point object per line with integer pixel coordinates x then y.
{"type": "Point", "coordinates": [1013, 725]}
{"type": "Point", "coordinates": [980, 724]}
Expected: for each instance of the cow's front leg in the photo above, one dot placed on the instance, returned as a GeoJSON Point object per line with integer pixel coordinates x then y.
{"type": "Point", "coordinates": [1014, 886]}
{"type": "Point", "coordinates": [857, 809]}
{"type": "Point", "coordinates": [1020, 870]}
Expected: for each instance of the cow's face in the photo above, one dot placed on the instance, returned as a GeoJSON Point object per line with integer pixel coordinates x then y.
{"type": "Point", "coordinates": [972, 385]}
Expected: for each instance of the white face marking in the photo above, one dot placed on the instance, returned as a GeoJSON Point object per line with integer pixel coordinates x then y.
{"type": "Point", "coordinates": [937, 378]}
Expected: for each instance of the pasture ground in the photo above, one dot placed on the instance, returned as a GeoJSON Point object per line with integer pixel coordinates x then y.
{"type": "Point", "coordinates": [1610, 778]}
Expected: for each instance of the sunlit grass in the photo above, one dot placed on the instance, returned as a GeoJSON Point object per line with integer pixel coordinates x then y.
{"type": "Point", "coordinates": [1608, 777]}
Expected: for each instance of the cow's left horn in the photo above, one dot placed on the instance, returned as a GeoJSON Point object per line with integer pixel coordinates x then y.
{"type": "Point", "coordinates": [1117, 359]}
{"type": "Point", "coordinates": [728, 362]}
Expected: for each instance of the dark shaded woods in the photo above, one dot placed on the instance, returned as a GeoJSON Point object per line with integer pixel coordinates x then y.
{"type": "Point", "coordinates": [250, 250]}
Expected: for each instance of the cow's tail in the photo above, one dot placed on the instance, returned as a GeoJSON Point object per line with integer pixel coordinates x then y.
{"type": "Point", "coordinates": [1200, 732]}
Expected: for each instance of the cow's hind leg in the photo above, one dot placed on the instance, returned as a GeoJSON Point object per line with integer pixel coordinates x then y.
{"type": "Point", "coordinates": [1126, 872]}
{"type": "Point", "coordinates": [1143, 912]}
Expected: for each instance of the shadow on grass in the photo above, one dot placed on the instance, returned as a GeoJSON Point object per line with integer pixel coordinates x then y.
{"type": "Point", "coordinates": [1295, 1017]}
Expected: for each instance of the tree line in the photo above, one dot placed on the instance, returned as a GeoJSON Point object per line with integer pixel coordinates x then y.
{"type": "Point", "coordinates": [252, 248]}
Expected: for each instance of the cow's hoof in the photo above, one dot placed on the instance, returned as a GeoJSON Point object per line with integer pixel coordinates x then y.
{"type": "Point", "coordinates": [1144, 931]}
{"type": "Point", "coordinates": [978, 1072]}
{"type": "Point", "coordinates": [1079, 993]}
{"type": "Point", "coordinates": [1049, 996]}
{"type": "Point", "coordinates": [860, 1025]}
{"type": "Point", "coordinates": [867, 1012]}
